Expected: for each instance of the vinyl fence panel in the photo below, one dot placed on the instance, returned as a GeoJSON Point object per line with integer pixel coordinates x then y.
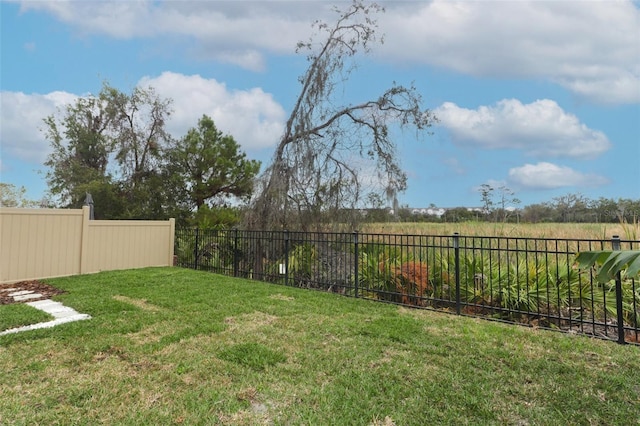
{"type": "Point", "coordinates": [47, 243]}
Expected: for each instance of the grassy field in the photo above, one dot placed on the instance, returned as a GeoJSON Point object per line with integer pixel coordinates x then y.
{"type": "Point", "coordinates": [629, 231]}
{"type": "Point", "coordinates": [174, 346]}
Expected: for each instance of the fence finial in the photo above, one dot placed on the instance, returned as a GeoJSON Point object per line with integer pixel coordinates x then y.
{"type": "Point", "coordinates": [88, 201]}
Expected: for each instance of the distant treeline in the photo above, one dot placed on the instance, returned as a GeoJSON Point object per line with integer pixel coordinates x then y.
{"type": "Point", "coordinates": [570, 208]}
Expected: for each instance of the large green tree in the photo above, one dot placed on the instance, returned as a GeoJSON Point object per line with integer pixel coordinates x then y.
{"type": "Point", "coordinates": [110, 145]}
{"type": "Point", "coordinates": [82, 141]}
{"type": "Point", "coordinates": [211, 167]}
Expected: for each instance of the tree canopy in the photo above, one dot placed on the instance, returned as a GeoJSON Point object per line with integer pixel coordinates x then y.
{"type": "Point", "coordinates": [210, 166]}
{"type": "Point", "coordinates": [13, 196]}
{"type": "Point", "coordinates": [116, 147]}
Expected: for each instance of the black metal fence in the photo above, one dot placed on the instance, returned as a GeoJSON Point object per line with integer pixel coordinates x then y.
{"type": "Point", "coordinates": [532, 281]}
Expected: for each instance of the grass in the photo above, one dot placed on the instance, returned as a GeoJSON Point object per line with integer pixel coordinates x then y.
{"type": "Point", "coordinates": [17, 315]}
{"type": "Point", "coordinates": [597, 231]}
{"type": "Point", "coordinates": [174, 346]}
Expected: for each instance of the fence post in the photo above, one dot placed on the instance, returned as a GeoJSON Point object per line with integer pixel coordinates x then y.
{"type": "Point", "coordinates": [172, 242]}
{"type": "Point", "coordinates": [615, 244]}
{"type": "Point", "coordinates": [286, 257]}
{"type": "Point", "coordinates": [355, 263]}
{"type": "Point", "coordinates": [195, 250]}
{"type": "Point", "coordinates": [84, 241]}
{"type": "Point", "coordinates": [236, 266]}
{"type": "Point", "coordinates": [456, 251]}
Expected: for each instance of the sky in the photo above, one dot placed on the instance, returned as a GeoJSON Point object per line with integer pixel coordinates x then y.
{"type": "Point", "coordinates": [541, 97]}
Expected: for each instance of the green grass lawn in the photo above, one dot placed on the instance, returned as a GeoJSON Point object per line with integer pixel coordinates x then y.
{"type": "Point", "coordinates": [174, 346]}
{"type": "Point", "coordinates": [19, 314]}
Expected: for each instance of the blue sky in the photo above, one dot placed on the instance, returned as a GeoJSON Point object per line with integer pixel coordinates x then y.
{"type": "Point", "coordinates": [542, 97]}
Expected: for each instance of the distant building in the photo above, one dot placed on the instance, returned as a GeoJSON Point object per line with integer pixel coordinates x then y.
{"type": "Point", "coordinates": [440, 211]}
{"type": "Point", "coordinates": [431, 211]}
{"type": "Point", "coordinates": [427, 211]}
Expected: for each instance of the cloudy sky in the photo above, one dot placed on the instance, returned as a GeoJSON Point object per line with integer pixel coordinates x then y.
{"type": "Point", "coordinates": [542, 97]}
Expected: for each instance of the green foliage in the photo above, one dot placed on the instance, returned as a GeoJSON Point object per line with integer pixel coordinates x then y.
{"type": "Point", "coordinates": [301, 262]}
{"type": "Point", "coordinates": [460, 214]}
{"type": "Point", "coordinates": [373, 271]}
{"type": "Point", "coordinates": [214, 249]}
{"type": "Point", "coordinates": [207, 218]}
{"type": "Point", "coordinates": [503, 286]}
{"type": "Point", "coordinates": [81, 143]}
{"type": "Point", "coordinates": [211, 166]}
{"type": "Point", "coordinates": [252, 355]}
{"type": "Point", "coordinates": [610, 263]}
{"type": "Point", "coordinates": [385, 272]}
{"type": "Point", "coordinates": [12, 196]}
{"type": "Point", "coordinates": [115, 147]}
{"type": "Point", "coordinates": [109, 145]}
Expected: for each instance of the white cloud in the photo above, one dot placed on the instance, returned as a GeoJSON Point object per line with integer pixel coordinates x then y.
{"type": "Point", "coordinates": [235, 32]}
{"type": "Point", "coordinates": [591, 48]}
{"type": "Point", "coordinates": [252, 117]}
{"type": "Point", "coordinates": [545, 175]}
{"type": "Point", "coordinates": [540, 129]}
{"type": "Point", "coordinates": [21, 116]}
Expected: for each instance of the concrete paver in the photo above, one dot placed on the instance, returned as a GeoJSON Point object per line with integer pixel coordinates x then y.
{"type": "Point", "coordinates": [20, 293]}
{"type": "Point", "coordinates": [62, 314]}
{"type": "Point", "coordinates": [23, 297]}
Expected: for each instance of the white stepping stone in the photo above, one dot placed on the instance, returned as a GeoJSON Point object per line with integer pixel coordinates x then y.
{"type": "Point", "coordinates": [47, 324]}
{"type": "Point", "coordinates": [62, 314]}
{"type": "Point", "coordinates": [7, 289]}
{"type": "Point", "coordinates": [26, 297]}
{"type": "Point", "coordinates": [20, 293]}
{"type": "Point", "coordinates": [56, 309]}
{"type": "Point", "coordinates": [46, 305]}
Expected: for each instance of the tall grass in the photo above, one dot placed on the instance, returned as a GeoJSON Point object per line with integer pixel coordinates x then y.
{"type": "Point", "coordinates": [599, 231]}
{"type": "Point", "coordinates": [631, 230]}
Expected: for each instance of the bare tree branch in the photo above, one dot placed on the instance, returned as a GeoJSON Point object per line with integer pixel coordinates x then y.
{"type": "Point", "coordinates": [313, 169]}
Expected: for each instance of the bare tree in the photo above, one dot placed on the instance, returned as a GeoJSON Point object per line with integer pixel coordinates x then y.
{"type": "Point", "coordinates": [140, 131]}
{"type": "Point", "coordinates": [508, 202]}
{"type": "Point", "coordinates": [328, 150]}
{"type": "Point", "coordinates": [486, 192]}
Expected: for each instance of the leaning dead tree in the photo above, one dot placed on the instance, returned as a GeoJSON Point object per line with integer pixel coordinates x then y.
{"type": "Point", "coordinates": [330, 151]}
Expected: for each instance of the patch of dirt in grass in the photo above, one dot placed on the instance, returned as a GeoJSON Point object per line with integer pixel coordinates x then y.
{"type": "Point", "coordinates": [36, 286]}
{"type": "Point", "coordinates": [387, 421]}
{"type": "Point", "coordinates": [152, 333]}
{"type": "Point", "coordinates": [282, 297]}
{"type": "Point", "coordinates": [250, 322]}
{"type": "Point", "coordinates": [439, 330]}
{"type": "Point", "coordinates": [256, 414]}
{"type": "Point", "coordinates": [251, 396]}
{"type": "Point", "coordinates": [387, 357]}
{"type": "Point", "coordinates": [244, 417]}
{"type": "Point", "coordinates": [140, 303]}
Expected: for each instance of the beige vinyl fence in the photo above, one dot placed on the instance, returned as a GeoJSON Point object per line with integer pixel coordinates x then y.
{"type": "Point", "coordinates": [47, 243]}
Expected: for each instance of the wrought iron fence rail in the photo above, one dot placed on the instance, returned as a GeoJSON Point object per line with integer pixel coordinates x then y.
{"type": "Point", "coordinates": [531, 281]}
